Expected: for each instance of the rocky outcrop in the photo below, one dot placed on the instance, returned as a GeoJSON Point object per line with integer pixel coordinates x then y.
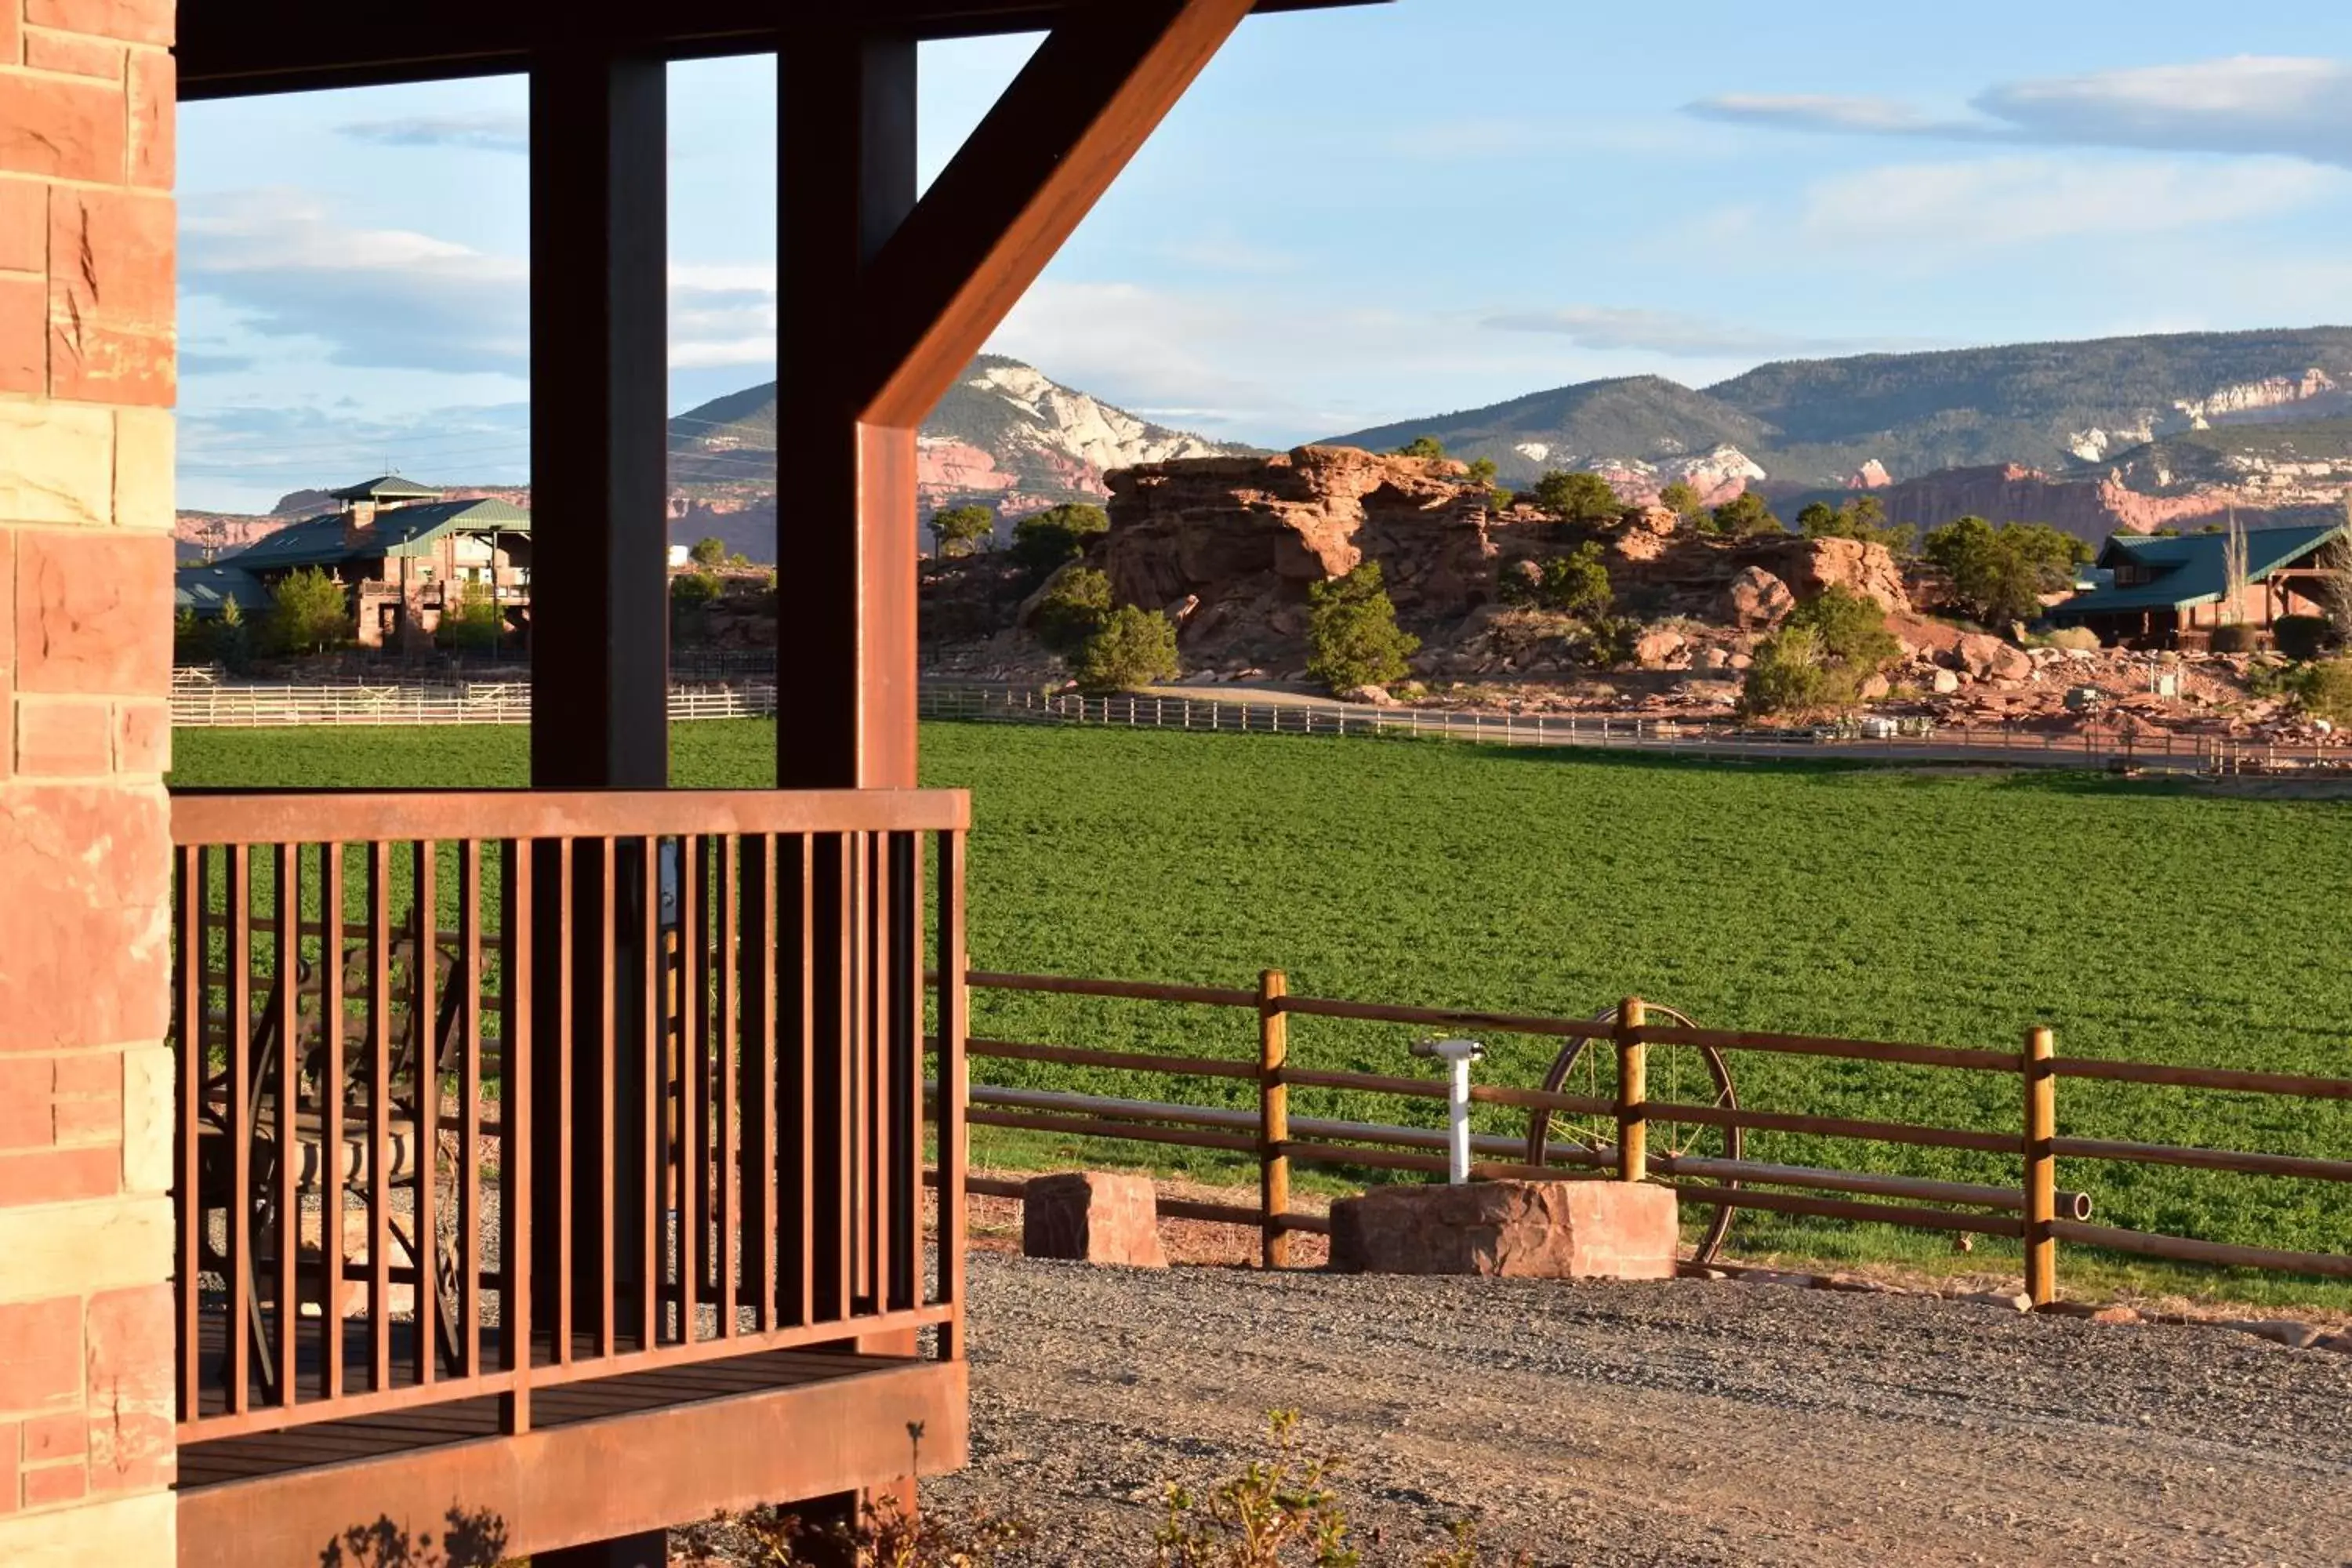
{"type": "Point", "coordinates": [1718, 476]}
{"type": "Point", "coordinates": [2089, 508]}
{"type": "Point", "coordinates": [1756, 600]}
{"type": "Point", "coordinates": [1810, 567]}
{"type": "Point", "coordinates": [1247, 537]}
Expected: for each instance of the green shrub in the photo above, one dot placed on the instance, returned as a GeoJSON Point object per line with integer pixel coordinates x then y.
{"type": "Point", "coordinates": [1850, 628]}
{"type": "Point", "coordinates": [1998, 574]}
{"type": "Point", "coordinates": [1608, 641]}
{"type": "Point", "coordinates": [2239, 638]}
{"type": "Point", "coordinates": [1745, 515]}
{"type": "Point", "coordinates": [1073, 609]}
{"type": "Point", "coordinates": [1576, 584]}
{"type": "Point", "coordinates": [693, 590]}
{"type": "Point", "coordinates": [1422, 447]}
{"type": "Point", "coordinates": [1042, 540]}
{"type": "Point", "coordinates": [961, 529]}
{"type": "Point", "coordinates": [708, 552]}
{"type": "Point", "coordinates": [2302, 636]}
{"type": "Point", "coordinates": [1791, 676]}
{"type": "Point", "coordinates": [1135, 648]}
{"type": "Point", "coordinates": [2325, 690]}
{"type": "Point", "coordinates": [475, 624]}
{"type": "Point", "coordinates": [1352, 635]}
{"type": "Point", "coordinates": [2082, 638]}
{"type": "Point", "coordinates": [1578, 499]}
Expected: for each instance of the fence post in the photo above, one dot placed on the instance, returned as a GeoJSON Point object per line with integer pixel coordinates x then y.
{"type": "Point", "coordinates": [2041, 1166]}
{"type": "Point", "coordinates": [1272, 1119]}
{"type": "Point", "coordinates": [1632, 1092]}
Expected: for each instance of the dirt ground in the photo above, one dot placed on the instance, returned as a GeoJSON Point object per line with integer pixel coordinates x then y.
{"type": "Point", "coordinates": [1689, 1422]}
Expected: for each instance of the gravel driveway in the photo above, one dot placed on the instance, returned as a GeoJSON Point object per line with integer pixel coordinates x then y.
{"type": "Point", "coordinates": [1684, 1423]}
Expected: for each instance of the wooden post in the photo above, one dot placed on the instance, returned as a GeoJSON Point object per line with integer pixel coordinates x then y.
{"type": "Point", "coordinates": [2041, 1166]}
{"type": "Point", "coordinates": [1632, 1092]}
{"type": "Point", "coordinates": [1274, 1118]}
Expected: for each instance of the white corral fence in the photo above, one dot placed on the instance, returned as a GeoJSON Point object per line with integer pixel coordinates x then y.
{"type": "Point", "coordinates": [199, 704]}
{"type": "Point", "coordinates": [205, 706]}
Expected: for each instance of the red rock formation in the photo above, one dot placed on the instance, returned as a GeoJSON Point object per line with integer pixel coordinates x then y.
{"type": "Point", "coordinates": [2088, 509]}
{"type": "Point", "coordinates": [1247, 536]}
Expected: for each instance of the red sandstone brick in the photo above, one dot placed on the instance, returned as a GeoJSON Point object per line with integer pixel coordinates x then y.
{"type": "Point", "coordinates": [101, 857]}
{"type": "Point", "coordinates": [135, 21]}
{"type": "Point", "coordinates": [111, 256]}
{"type": "Point", "coordinates": [133, 1353]}
{"type": "Point", "coordinates": [64, 1436]}
{"type": "Point", "coordinates": [54, 1484]}
{"type": "Point", "coordinates": [26, 1120]}
{"type": "Point", "coordinates": [7, 629]}
{"type": "Point", "coordinates": [61, 127]}
{"type": "Point", "coordinates": [24, 336]}
{"type": "Point", "coordinates": [75, 55]}
{"type": "Point", "coordinates": [24, 225]}
{"type": "Point", "coordinates": [143, 738]}
{"type": "Point", "coordinates": [89, 1119]}
{"type": "Point", "coordinates": [91, 362]}
{"type": "Point", "coordinates": [12, 30]}
{"type": "Point", "coordinates": [7, 721]}
{"type": "Point", "coordinates": [60, 1175]}
{"type": "Point", "coordinates": [64, 738]}
{"type": "Point", "coordinates": [43, 1368]}
{"type": "Point", "coordinates": [154, 151]}
{"type": "Point", "coordinates": [93, 612]}
{"type": "Point", "coordinates": [8, 1483]}
{"type": "Point", "coordinates": [95, 1072]}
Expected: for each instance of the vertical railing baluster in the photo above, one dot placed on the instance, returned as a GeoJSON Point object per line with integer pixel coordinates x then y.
{"type": "Point", "coordinates": [726, 918]}
{"type": "Point", "coordinates": [424, 1028]}
{"type": "Point", "coordinates": [608, 983]}
{"type": "Point", "coordinates": [804, 1100]}
{"type": "Point", "coordinates": [650, 1106]}
{"type": "Point", "coordinates": [287, 871]}
{"type": "Point", "coordinates": [334, 1135]}
{"type": "Point", "coordinates": [907, 1098]}
{"type": "Point", "coordinates": [469, 1199]}
{"type": "Point", "coordinates": [768, 1213]}
{"type": "Point", "coordinates": [881, 1148]}
{"type": "Point", "coordinates": [849, 1210]}
{"type": "Point", "coordinates": [566, 1133]}
{"type": "Point", "coordinates": [515, 1158]}
{"type": "Point", "coordinates": [190, 939]}
{"type": "Point", "coordinates": [379, 1084]}
{"type": "Point", "coordinates": [239, 1267]}
{"type": "Point", "coordinates": [689, 1074]}
{"type": "Point", "coordinates": [953, 1014]}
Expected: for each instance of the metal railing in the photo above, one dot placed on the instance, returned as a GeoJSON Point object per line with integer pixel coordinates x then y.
{"type": "Point", "coordinates": [480, 1093]}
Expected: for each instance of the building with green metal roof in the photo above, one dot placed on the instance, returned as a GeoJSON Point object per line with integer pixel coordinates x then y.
{"type": "Point", "coordinates": [2172, 590]}
{"type": "Point", "coordinates": [403, 552]}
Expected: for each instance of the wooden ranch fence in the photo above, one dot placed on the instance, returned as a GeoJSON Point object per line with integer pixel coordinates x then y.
{"type": "Point", "coordinates": [198, 706]}
{"type": "Point", "coordinates": [2035, 1210]}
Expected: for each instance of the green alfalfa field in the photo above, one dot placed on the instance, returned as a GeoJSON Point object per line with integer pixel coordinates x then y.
{"type": "Point", "coordinates": [2138, 921]}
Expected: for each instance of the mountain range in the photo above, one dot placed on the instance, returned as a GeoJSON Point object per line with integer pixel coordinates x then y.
{"type": "Point", "coordinates": [1822, 423]}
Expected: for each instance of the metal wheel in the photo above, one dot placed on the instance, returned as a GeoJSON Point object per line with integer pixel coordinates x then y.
{"type": "Point", "coordinates": [1678, 1074]}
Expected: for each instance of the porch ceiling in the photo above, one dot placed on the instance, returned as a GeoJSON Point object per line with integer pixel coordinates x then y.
{"type": "Point", "coordinates": [231, 49]}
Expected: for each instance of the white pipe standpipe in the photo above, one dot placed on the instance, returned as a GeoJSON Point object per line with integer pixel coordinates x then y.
{"type": "Point", "coordinates": [1457, 1054]}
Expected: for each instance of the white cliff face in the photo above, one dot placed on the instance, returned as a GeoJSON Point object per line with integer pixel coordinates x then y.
{"type": "Point", "coordinates": [1718, 476]}
{"type": "Point", "coordinates": [1076, 425]}
{"type": "Point", "coordinates": [2314, 394]}
{"type": "Point", "coordinates": [1534, 451]}
{"type": "Point", "coordinates": [2256, 397]}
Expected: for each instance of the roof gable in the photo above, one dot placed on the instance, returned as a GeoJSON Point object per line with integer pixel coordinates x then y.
{"type": "Point", "coordinates": [402, 531]}
{"type": "Point", "coordinates": [2194, 568]}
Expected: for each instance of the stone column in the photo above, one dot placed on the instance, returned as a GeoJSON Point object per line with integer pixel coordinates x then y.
{"type": "Point", "coordinates": [86, 381]}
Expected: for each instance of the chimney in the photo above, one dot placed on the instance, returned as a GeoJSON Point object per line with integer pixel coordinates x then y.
{"type": "Point", "coordinates": [357, 519]}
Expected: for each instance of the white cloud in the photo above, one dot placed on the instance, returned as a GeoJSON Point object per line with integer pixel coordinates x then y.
{"type": "Point", "coordinates": [2275, 105]}
{"type": "Point", "coordinates": [1669, 332]}
{"type": "Point", "coordinates": [476, 132]}
{"type": "Point", "coordinates": [2022, 200]}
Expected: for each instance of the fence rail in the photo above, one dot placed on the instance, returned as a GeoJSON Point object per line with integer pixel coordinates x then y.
{"type": "Point", "coordinates": [2035, 1210]}
{"type": "Point", "coordinates": [2090, 747]}
{"type": "Point", "coordinates": [197, 706]}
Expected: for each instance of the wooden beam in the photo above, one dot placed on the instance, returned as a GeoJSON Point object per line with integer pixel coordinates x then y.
{"type": "Point", "coordinates": [1097, 86]}
{"type": "Point", "coordinates": [231, 49]}
{"type": "Point", "coordinates": [846, 161]}
{"type": "Point", "coordinates": [600, 441]}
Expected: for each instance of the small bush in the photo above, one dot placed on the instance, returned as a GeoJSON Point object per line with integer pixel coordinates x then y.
{"type": "Point", "coordinates": [1791, 676]}
{"type": "Point", "coordinates": [1135, 648]}
{"type": "Point", "coordinates": [473, 624]}
{"type": "Point", "coordinates": [2302, 636]}
{"type": "Point", "coordinates": [1608, 641]}
{"type": "Point", "coordinates": [2239, 638]}
{"type": "Point", "coordinates": [695, 589]}
{"type": "Point", "coordinates": [1576, 584]}
{"type": "Point", "coordinates": [1850, 628]}
{"type": "Point", "coordinates": [2325, 690]}
{"type": "Point", "coordinates": [2080, 639]}
{"type": "Point", "coordinates": [1073, 610]}
{"type": "Point", "coordinates": [1042, 540]}
{"type": "Point", "coordinates": [1352, 636]}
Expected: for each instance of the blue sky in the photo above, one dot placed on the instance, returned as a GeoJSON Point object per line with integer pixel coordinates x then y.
{"type": "Point", "coordinates": [1356, 216]}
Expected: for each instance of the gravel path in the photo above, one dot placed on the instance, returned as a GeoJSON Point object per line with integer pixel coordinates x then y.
{"type": "Point", "coordinates": [1690, 1423]}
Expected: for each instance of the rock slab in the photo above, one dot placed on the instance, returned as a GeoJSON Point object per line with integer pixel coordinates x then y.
{"type": "Point", "coordinates": [1529, 1230]}
{"type": "Point", "coordinates": [1093, 1216]}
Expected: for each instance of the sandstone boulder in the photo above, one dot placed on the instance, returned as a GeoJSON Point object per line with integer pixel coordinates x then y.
{"type": "Point", "coordinates": [1757, 599]}
{"type": "Point", "coordinates": [1655, 648]}
{"type": "Point", "coordinates": [1875, 687]}
{"type": "Point", "coordinates": [1944, 682]}
{"type": "Point", "coordinates": [1092, 1217]}
{"type": "Point", "coordinates": [1990, 658]}
{"type": "Point", "coordinates": [1542, 1230]}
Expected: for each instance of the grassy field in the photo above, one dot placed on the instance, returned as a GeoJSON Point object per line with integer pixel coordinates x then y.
{"type": "Point", "coordinates": [2138, 921]}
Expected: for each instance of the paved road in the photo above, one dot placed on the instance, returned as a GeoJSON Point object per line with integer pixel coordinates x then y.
{"type": "Point", "coordinates": [1684, 1423]}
